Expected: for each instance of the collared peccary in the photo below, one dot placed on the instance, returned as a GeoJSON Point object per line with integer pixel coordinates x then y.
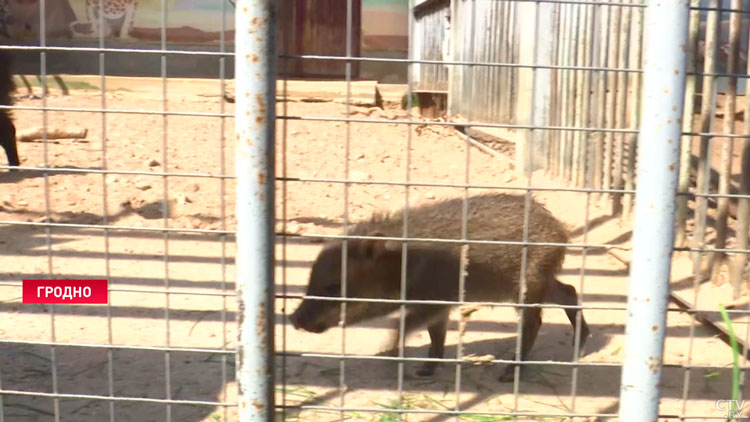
{"type": "Point", "coordinates": [432, 270]}
{"type": "Point", "coordinates": [7, 129]}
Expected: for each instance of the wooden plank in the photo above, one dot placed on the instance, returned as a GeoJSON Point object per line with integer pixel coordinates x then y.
{"type": "Point", "coordinates": [709, 297]}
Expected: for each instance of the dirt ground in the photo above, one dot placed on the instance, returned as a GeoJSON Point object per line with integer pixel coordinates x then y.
{"type": "Point", "coordinates": [197, 271]}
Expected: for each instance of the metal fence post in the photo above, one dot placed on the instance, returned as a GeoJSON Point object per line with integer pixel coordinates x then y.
{"type": "Point", "coordinates": [653, 233]}
{"type": "Point", "coordinates": [255, 50]}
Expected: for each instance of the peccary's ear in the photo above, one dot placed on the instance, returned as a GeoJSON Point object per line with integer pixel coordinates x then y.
{"type": "Point", "coordinates": [372, 248]}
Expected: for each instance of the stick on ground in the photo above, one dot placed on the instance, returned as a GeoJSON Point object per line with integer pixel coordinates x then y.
{"type": "Point", "coordinates": [34, 134]}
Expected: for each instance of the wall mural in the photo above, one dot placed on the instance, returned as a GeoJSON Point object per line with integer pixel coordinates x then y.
{"type": "Point", "coordinates": [187, 21]}
{"type": "Point", "coordinates": [385, 25]}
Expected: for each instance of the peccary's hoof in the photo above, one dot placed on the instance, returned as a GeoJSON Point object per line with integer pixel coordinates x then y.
{"type": "Point", "coordinates": [427, 369]}
{"type": "Point", "coordinates": [582, 345]}
{"type": "Point", "coordinates": [509, 374]}
{"type": "Point", "coordinates": [581, 349]}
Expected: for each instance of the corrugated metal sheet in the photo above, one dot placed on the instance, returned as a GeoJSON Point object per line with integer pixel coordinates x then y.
{"type": "Point", "coordinates": [431, 42]}
{"type": "Point", "coordinates": [498, 44]}
{"type": "Point", "coordinates": [483, 32]}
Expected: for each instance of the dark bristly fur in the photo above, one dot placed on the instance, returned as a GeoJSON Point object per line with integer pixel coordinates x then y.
{"type": "Point", "coordinates": [493, 274]}
{"type": "Point", "coordinates": [7, 129]}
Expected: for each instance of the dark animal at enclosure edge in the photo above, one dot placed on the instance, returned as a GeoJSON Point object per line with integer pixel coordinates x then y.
{"type": "Point", "coordinates": [7, 129]}
{"type": "Point", "coordinates": [432, 270]}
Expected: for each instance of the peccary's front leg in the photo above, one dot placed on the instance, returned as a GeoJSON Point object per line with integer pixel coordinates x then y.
{"type": "Point", "coordinates": [565, 294]}
{"type": "Point", "coordinates": [437, 332]}
{"type": "Point", "coordinates": [417, 317]}
{"type": "Point", "coordinates": [532, 321]}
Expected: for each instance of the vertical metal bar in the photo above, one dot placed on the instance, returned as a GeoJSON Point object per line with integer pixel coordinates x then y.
{"type": "Point", "coordinates": [105, 216]}
{"type": "Point", "coordinates": [687, 125]}
{"type": "Point", "coordinates": [586, 96]}
{"type": "Point", "coordinates": [579, 313]}
{"type": "Point", "coordinates": [549, 93]}
{"type": "Point", "coordinates": [601, 94]}
{"type": "Point", "coordinates": [593, 109]}
{"type": "Point", "coordinates": [556, 103]}
{"type": "Point", "coordinates": [422, 40]}
{"type": "Point", "coordinates": [538, 16]}
{"type": "Point", "coordinates": [497, 48]}
{"type": "Point", "coordinates": [464, 259]}
{"type": "Point", "coordinates": [634, 62]}
{"type": "Point", "coordinates": [702, 183]}
{"type": "Point", "coordinates": [653, 231]}
{"type": "Point", "coordinates": [743, 204]}
{"type": "Point", "coordinates": [478, 87]}
{"type": "Point", "coordinates": [255, 49]}
{"type": "Point", "coordinates": [743, 222]}
{"type": "Point", "coordinates": [165, 212]}
{"type": "Point", "coordinates": [565, 61]}
{"type": "Point", "coordinates": [486, 40]}
{"type": "Point", "coordinates": [577, 168]}
{"type": "Point", "coordinates": [2, 405]}
{"type": "Point", "coordinates": [506, 57]}
{"type": "Point", "coordinates": [513, 73]}
{"type": "Point", "coordinates": [466, 56]}
{"type": "Point", "coordinates": [47, 202]}
{"type": "Point", "coordinates": [405, 227]}
{"type": "Point", "coordinates": [585, 181]}
{"type": "Point", "coordinates": [465, 38]}
{"type": "Point", "coordinates": [455, 73]}
{"type": "Point", "coordinates": [730, 106]}
{"type": "Point", "coordinates": [609, 114]}
{"type": "Point", "coordinates": [707, 115]}
{"type": "Point", "coordinates": [541, 80]}
{"type": "Point", "coordinates": [223, 216]}
{"type": "Point", "coordinates": [497, 40]}
{"type": "Point", "coordinates": [589, 103]}
{"type": "Point", "coordinates": [345, 250]}
{"type": "Point", "coordinates": [621, 107]}
{"type": "Point", "coordinates": [571, 103]}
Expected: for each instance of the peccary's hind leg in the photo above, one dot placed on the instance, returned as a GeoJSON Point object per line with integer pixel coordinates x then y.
{"type": "Point", "coordinates": [8, 139]}
{"type": "Point", "coordinates": [437, 344]}
{"type": "Point", "coordinates": [532, 321]}
{"type": "Point", "coordinates": [565, 294]}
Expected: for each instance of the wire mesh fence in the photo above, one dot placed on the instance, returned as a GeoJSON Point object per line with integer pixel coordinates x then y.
{"type": "Point", "coordinates": [511, 136]}
{"type": "Point", "coordinates": [163, 347]}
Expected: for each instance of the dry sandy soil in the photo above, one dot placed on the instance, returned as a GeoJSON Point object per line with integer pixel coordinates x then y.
{"type": "Point", "coordinates": [197, 270]}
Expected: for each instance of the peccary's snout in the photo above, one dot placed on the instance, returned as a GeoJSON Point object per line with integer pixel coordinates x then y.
{"type": "Point", "coordinates": [294, 320]}
{"type": "Point", "coordinates": [307, 318]}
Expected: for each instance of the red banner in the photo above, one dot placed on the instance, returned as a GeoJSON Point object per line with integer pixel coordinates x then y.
{"type": "Point", "coordinates": [65, 291]}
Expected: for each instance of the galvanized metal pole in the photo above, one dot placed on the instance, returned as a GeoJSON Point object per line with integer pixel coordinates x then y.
{"type": "Point", "coordinates": [255, 51]}
{"type": "Point", "coordinates": [653, 232]}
